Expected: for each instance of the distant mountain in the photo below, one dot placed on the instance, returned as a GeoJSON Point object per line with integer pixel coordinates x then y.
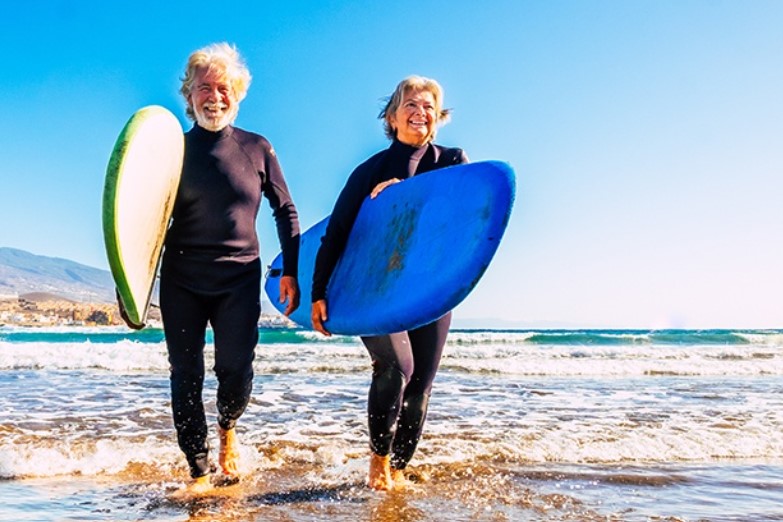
{"type": "Point", "coordinates": [22, 272]}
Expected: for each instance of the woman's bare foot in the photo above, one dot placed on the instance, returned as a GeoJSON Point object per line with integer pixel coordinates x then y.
{"type": "Point", "coordinates": [193, 489]}
{"type": "Point", "coordinates": [380, 477]}
{"type": "Point", "coordinates": [229, 452]}
{"type": "Point", "coordinates": [401, 481]}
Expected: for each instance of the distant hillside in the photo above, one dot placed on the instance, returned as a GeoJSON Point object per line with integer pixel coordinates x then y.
{"type": "Point", "coordinates": [22, 273]}
{"type": "Point", "coordinates": [42, 297]}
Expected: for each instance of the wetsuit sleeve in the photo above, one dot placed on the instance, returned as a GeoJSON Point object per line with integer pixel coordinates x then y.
{"type": "Point", "coordinates": [286, 217]}
{"type": "Point", "coordinates": [346, 208]}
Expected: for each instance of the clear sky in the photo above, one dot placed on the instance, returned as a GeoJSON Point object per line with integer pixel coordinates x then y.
{"type": "Point", "coordinates": [647, 135]}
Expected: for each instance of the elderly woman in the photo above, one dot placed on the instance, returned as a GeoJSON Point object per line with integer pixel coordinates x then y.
{"type": "Point", "coordinates": [403, 363]}
{"type": "Point", "coordinates": [211, 272]}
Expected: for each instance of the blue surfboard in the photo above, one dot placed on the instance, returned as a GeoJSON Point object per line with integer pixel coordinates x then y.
{"type": "Point", "coordinates": [414, 252]}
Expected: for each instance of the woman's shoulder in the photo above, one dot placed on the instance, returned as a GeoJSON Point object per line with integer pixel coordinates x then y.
{"type": "Point", "coordinates": [450, 155]}
{"type": "Point", "coordinates": [373, 161]}
{"type": "Point", "coordinates": [368, 168]}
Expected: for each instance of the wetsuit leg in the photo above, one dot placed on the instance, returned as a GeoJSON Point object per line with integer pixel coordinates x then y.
{"type": "Point", "coordinates": [392, 364]}
{"type": "Point", "coordinates": [427, 344]}
{"type": "Point", "coordinates": [235, 325]}
{"type": "Point", "coordinates": [185, 319]}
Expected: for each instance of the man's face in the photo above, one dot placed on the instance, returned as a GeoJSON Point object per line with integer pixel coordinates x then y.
{"type": "Point", "coordinates": [212, 100]}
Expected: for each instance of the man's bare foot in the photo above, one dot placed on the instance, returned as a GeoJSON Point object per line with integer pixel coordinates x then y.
{"type": "Point", "coordinates": [193, 489]}
{"type": "Point", "coordinates": [229, 453]}
{"type": "Point", "coordinates": [380, 477]}
{"type": "Point", "coordinates": [401, 481]}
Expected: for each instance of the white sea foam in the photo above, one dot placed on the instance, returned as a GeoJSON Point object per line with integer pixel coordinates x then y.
{"type": "Point", "coordinates": [119, 357]}
{"type": "Point", "coordinates": [762, 358]}
{"type": "Point", "coordinates": [443, 444]}
{"type": "Point", "coordinates": [106, 456]}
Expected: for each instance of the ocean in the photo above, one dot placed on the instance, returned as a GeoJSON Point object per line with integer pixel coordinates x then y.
{"type": "Point", "coordinates": [551, 425]}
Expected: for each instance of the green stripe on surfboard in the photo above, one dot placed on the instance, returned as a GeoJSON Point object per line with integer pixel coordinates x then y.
{"type": "Point", "coordinates": [141, 184]}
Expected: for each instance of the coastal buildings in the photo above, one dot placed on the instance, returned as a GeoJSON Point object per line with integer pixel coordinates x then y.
{"type": "Point", "coordinates": [43, 309]}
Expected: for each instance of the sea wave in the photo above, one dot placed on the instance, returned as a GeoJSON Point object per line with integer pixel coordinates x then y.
{"type": "Point", "coordinates": [499, 358]}
{"type": "Point", "coordinates": [618, 337]}
{"type": "Point", "coordinates": [122, 356]}
{"type": "Point", "coordinates": [456, 337]}
{"type": "Point", "coordinates": [112, 335]}
{"type": "Point", "coordinates": [38, 455]}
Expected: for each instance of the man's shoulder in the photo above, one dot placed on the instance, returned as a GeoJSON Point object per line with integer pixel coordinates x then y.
{"type": "Point", "coordinates": [245, 137]}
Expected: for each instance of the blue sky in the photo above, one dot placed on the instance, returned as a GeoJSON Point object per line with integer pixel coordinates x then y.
{"type": "Point", "coordinates": [647, 135]}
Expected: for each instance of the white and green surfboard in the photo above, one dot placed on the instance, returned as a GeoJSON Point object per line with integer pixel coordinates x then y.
{"type": "Point", "coordinates": [141, 185]}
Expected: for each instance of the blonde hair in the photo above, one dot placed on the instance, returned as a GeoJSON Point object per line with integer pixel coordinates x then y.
{"type": "Point", "coordinates": [226, 61]}
{"type": "Point", "coordinates": [417, 84]}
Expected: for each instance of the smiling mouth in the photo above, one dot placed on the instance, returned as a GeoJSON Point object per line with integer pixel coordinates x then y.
{"type": "Point", "coordinates": [214, 108]}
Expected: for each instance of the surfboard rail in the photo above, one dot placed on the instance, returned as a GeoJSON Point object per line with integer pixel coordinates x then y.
{"type": "Point", "coordinates": [142, 178]}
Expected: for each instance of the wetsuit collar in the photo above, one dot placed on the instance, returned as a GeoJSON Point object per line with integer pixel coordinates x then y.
{"type": "Point", "coordinates": [400, 146]}
{"type": "Point", "coordinates": [201, 132]}
{"type": "Point", "coordinates": [406, 158]}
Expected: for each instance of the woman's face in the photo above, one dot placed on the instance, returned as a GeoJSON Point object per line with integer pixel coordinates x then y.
{"type": "Point", "coordinates": [212, 99]}
{"type": "Point", "coordinates": [415, 118]}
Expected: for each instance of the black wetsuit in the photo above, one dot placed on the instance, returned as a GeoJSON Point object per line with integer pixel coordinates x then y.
{"type": "Point", "coordinates": [211, 273]}
{"type": "Point", "coordinates": [404, 363]}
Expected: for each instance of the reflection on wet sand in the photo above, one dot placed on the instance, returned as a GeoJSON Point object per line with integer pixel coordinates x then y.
{"type": "Point", "coordinates": [476, 492]}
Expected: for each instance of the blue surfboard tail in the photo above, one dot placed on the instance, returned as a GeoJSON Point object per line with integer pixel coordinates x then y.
{"type": "Point", "coordinates": [414, 252]}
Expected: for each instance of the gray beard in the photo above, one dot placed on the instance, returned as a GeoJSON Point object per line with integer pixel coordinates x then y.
{"type": "Point", "coordinates": [216, 125]}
